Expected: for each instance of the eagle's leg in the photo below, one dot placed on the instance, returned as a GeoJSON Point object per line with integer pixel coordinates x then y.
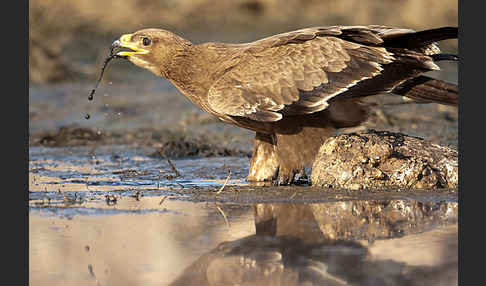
{"type": "Point", "coordinates": [270, 164]}
{"type": "Point", "coordinates": [264, 164]}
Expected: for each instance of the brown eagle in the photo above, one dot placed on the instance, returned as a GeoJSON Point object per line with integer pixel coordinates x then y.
{"type": "Point", "coordinates": [295, 89]}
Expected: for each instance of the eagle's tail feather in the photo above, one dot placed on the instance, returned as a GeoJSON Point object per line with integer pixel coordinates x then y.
{"type": "Point", "coordinates": [424, 89]}
{"type": "Point", "coordinates": [445, 57]}
{"type": "Point", "coordinates": [422, 38]}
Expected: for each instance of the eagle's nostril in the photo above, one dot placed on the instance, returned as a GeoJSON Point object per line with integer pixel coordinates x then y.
{"type": "Point", "coordinates": [115, 44]}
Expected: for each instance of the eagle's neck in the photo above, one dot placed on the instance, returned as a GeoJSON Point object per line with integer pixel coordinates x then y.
{"type": "Point", "coordinates": [193, 69]}
{"type": "Point", "coordinates": [182, 69]}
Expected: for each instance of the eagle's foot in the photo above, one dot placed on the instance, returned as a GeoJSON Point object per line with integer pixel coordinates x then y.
{"type": "Point", "coordinates": [290, 177]}
{"type": "Point", "coordinates": [279, 177]}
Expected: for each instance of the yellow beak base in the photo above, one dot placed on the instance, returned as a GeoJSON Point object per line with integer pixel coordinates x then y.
{"type": "Point", "coordinates": [125, 41]}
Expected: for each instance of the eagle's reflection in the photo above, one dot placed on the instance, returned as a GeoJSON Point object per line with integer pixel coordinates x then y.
{"type": "Point", "coordinates": [323, 244]}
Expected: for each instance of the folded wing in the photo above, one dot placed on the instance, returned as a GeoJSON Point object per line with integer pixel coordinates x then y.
{"type": "Point", "coordinates": [299, 72]}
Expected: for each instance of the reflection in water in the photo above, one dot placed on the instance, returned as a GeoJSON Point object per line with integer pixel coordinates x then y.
{"type": "Point", "coordinates": [346, 220]}
{"type": "Point", "coordinates": [350, 242]}
{"type": "Point", "coordinates": [319, 244]}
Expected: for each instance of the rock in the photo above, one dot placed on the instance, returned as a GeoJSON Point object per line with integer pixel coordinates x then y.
{"type": "Point", "coordinates": [380, 159]}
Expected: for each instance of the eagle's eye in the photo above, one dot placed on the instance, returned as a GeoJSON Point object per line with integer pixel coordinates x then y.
{"type": "Point", "coordinates": [146, 41]}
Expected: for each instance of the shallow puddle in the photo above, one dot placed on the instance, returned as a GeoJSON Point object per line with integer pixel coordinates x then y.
{"type": "Point", "coordinates": [116, 216]}
{"type": "Point", "coordinates": [133, 243]}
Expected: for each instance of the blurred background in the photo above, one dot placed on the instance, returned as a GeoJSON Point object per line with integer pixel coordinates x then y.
{"type": "Point", "coordinates": [70, 38]}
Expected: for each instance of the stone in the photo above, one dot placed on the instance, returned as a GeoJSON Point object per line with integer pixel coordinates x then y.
{"type": "Point", "coordinates": [381, 159]}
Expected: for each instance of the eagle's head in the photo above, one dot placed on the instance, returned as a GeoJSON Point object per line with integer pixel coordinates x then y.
{"type": "Point", "coordinates": [151, 49]}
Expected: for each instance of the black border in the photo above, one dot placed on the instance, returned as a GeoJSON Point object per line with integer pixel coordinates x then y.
{"type": "Point", "coordinates": [17, 152]}
{"type": "Point", "coordinates": [472, 77]}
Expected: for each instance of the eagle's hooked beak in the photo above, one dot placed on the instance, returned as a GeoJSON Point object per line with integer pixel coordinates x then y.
{"type": "Point", "coordinates": [125, 42]}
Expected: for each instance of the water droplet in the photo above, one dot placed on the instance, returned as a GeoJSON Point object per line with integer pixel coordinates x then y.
{"type": "Point", "coordinates": [91, 95]}
{"type": "Point", "coordinates": [87, 116]}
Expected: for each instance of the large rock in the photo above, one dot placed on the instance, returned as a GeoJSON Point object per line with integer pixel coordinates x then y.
{"type": "Point", "coordinates": [380, 159]}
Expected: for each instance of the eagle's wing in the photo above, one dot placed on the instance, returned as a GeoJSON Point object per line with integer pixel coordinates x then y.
{"type": "Point", "coordinates": [300, 71]}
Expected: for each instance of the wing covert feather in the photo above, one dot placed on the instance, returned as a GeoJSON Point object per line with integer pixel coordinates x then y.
{"type": "Point", "coordinates": [295, 73]}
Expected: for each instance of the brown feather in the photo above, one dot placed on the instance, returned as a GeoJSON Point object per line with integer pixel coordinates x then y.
{"type": "Point", "coordinates": [319, 68]}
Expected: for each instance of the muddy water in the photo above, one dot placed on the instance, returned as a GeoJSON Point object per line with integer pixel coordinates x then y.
{"type": "Point", "coordinates": [109, 212]}
{"type": "Point", "coordinates": [116, 216]}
